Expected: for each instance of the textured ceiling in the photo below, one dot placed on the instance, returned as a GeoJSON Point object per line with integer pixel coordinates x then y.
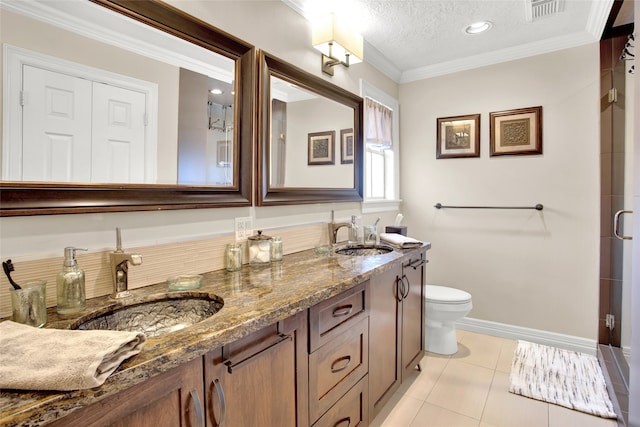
{"type": "Point", "coordinates": [411, 39]}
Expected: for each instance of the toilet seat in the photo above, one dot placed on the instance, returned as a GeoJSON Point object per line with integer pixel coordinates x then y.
{"type": "Point", "coordinates": [444, 295]}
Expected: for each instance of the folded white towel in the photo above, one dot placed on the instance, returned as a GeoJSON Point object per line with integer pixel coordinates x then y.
{"type": "Point", "coordinates": [400, 241]}
{"type": "Point", "coordinates": [54, 359]}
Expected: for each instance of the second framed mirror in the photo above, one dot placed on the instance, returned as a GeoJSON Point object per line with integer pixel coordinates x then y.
{"type": "Point", "coordinates": [309, 138]}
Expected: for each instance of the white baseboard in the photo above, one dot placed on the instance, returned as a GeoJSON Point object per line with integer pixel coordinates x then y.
{"type": "Point", "coordinates": [553, 339]}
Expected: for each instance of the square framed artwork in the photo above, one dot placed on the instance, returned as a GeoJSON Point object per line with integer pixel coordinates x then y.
{"type": "Point", "coordinates": [321, 148]}
{"type": "Point", "coordinates": [346, 146]}
{"type": "Point", "coordinates": [458, 137]}
{"type": "Point", "coordinates": [516, 132]}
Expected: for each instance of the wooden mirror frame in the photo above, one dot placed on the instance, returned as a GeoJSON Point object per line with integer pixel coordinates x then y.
{"type": "Point", "coordinates": [22, 198]}
{"type": "Point", "coordinates": [267, 196]}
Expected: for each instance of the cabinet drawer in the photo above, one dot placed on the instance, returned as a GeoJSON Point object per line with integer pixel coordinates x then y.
{"type": "Point", "coordinates": [329, 318]}
{"type": "Point", "coordinates": [337, 366]}
{"type": "Point", "coordinates": [351, 410]}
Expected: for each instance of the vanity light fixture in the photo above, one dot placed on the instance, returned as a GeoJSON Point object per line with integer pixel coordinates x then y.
{"type": "Point", "coordinates": [338, 43]}
{"type": "Point", "coordinates": [216, 91]}
{"type": "Point", "coordinates": [478, 27]}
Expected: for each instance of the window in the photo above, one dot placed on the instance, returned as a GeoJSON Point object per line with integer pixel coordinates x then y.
{"type": "Point", "coordinates": [381, 177]}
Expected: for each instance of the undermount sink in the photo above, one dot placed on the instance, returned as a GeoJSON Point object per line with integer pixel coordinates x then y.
{"type": "Point", "coordinates": [154, 315]}
{"type": "Point", "coordinates": [364, 250]}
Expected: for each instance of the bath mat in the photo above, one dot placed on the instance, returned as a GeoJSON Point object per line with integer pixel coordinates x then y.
{"type": "Point", "coordinates": [565, 378]}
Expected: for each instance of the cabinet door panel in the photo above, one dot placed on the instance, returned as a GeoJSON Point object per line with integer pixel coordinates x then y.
{"type": "Point", "coordinates": [258, 380]}
{"type": "Point", "coordinates": [384, 338]}
{"type": "Point", "coordinates": [412, 315]}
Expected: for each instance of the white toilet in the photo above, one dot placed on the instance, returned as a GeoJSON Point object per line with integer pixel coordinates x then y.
{"type": "Point", "coordinates": [444, 306]}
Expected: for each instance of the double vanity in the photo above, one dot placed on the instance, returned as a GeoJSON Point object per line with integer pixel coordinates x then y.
{"type": "Point", "coordinates": [311, 340]}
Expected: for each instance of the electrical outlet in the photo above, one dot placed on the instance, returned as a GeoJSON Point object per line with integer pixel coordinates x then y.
{"type": "Point", "coordinates": [244, 227]}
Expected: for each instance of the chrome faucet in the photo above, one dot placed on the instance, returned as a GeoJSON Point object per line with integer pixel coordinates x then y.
{"type": "Point", "coordinates": [334, 227]}
{"type": "Point", "coordinates": [119, 268]}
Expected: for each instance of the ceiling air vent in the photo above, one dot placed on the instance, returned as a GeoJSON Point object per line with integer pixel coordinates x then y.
{"type": "Point", "coordinates": [536, 9]}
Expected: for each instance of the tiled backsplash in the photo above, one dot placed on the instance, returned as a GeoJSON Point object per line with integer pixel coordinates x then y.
{"type": "Point", "coordinates": [159, 262]}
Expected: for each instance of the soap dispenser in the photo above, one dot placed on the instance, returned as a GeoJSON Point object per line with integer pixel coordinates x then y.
{"type": "Point", "coordinates": [70, 284]}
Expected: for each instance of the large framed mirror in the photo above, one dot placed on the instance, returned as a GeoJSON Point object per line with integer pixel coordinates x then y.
{"type": "Point", "coordinates": [122, 105]}
{"type": "Point", "coordinates": [310, 138]}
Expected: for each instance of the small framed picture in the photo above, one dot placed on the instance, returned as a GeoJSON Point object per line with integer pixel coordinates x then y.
{"type": "Point", "coordinates": [516, 132]}
{"type": "Point", "coordinates": [458, 137]}
{"type": "Point", "coordinates": [321, 148]}
{"type": "Point", "coordinates": [346, 146]}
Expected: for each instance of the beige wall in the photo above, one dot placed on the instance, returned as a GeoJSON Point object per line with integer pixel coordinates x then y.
{"type": "Point", "coordinates": [523, 267]}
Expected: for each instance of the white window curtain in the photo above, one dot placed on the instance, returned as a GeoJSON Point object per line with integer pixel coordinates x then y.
{"type": "Point", "coordinates": [379, 128]}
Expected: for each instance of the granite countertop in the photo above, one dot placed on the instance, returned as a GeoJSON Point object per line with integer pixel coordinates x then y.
{"type": "Point", "coordinates": [254, 297]}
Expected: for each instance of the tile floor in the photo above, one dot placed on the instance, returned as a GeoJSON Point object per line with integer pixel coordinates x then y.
{"type": "Point", "coordinates": [471, 388]}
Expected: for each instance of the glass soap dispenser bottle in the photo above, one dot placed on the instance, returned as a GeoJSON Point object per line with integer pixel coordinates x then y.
{"type": "Point", "coordinates": [70, 284]}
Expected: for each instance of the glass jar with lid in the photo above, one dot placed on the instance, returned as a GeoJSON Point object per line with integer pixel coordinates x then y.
{"type": "Point", "coordinates": [259, 249]}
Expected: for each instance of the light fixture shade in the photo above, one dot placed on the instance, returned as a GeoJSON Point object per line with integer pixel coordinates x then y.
{"type": "Point", "coordinates": [328, 29]}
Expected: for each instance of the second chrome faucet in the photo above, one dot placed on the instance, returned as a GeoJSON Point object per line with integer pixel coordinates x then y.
{"type": "Point", "coordinates": [119, 268]}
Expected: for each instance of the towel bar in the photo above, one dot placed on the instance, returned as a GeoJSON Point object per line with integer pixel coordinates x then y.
{"type": "Point", "coordinates": [537, 207]}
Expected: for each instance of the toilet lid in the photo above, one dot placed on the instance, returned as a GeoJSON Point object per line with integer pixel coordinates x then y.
{"type": "Point", "coordinates": [446, 295]}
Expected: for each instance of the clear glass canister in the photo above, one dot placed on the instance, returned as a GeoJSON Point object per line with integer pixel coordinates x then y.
{"type": "Point", "coordinates": [259, 249]}
{"type": "Point", "coordinates": [276, 249]}
{"type": "Point", "coordinates": [233, 256]}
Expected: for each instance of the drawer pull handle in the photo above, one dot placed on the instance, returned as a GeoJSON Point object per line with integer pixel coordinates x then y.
{"type": "Point", "coordinates": [282, 338]}
{"type": "Point", "coordinates": [195, 399]}
{"type": "Point", "coordinates": [344, 310]}
{"type": "Point", "coordinates": [342, 421]}
{"type": "Point", "coordinates": [418, 263]}
{"type": "Point", "coordinates": [345, 359]}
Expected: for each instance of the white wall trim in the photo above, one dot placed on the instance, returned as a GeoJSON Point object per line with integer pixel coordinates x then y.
{"type": "Point", "coordinates": [553, 339]}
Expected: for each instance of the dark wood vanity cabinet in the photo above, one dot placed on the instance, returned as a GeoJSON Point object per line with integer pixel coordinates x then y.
{"type": "Point", "coordinates": [396, 328]}
{"type": "Point", "coordinates": [260, 380]}
{"type": "Point", "coordinates": [335, 364]}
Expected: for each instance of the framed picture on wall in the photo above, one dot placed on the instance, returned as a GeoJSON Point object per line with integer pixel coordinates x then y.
{"type": "Point", "coordinates": [346, 146]}
{"type": "Point", "coordinates": [321, 148]}
{"type": "Point", "coordinates": [458, 137]}
{"type": "Point", "coordinates": [516, 132]}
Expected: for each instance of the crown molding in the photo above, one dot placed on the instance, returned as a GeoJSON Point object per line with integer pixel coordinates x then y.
{"type": "Point", "coordinates": [499, 56]}
{"type": "Point", "coordinates": [375, 58]}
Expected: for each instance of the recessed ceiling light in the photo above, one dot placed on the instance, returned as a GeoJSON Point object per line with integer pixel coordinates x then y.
{"type": "Point", "coordinates": [478, 27]}
{"type": "Point", "coordinates": [216, 91]}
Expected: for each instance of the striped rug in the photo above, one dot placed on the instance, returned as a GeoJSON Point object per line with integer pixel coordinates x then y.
{"type": "Point", "coordinates": [562, 377]}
